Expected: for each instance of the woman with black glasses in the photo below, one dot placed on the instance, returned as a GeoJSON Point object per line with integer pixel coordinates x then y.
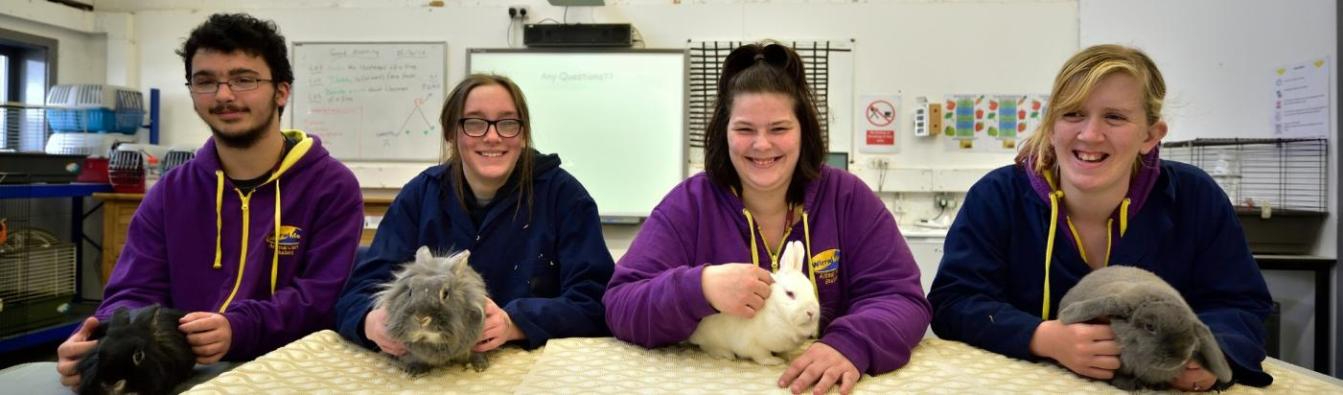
{"type": "Point", "coordinates": [532, 229]}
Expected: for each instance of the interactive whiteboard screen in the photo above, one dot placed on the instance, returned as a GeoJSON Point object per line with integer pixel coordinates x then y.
{"type": "Point", "coordinates": [617, 118]}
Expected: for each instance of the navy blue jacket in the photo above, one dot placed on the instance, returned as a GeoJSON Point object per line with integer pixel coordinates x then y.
{"type": "Point", "coordinates": [549, 273]}
{"type": "Point", "coordinates": [988, 290]}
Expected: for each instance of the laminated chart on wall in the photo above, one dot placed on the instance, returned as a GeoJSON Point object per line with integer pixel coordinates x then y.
{"type": "Point", "coordinates": [991, 123]}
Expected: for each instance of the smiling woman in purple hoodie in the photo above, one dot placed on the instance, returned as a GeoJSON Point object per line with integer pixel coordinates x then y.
{"type": "Point", "coordinates": [765, 185]}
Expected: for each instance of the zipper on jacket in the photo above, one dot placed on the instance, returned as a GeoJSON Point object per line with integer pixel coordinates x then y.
{"type": "Point", "coordinates": [242, 257]}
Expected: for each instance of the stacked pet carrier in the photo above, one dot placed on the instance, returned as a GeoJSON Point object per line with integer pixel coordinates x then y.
{"type": "Point", "coordinates": [1278, 186]}
{"type": "Point", "coordinates": [88, 119]}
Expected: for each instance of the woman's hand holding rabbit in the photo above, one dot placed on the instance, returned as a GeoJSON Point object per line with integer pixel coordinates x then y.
{"type": "Point", "coordinates": [74, 348]}
{"type": "Point", "coordinates": [499, 328]}
{"type": "Point", "coordinates": [375, 328]}
{"type": "Point", "coordinates": [1194, 378]}
{"type": "Point", "coordinates": [1088, 349]}
{"type": "Point", "coordinates": [820, 368]}
{"type": "Point", "coordinates": [209, 335]}
{"type": "Point", "coordinates": [738, 289]}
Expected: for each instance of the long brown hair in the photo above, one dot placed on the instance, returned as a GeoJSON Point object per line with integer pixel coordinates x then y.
{"type": "Point", "coordinates": [451, 116]}
{"type": "Point", "coordinates": [1075, 82]}
{"type": "Point", "coordinates": [766, 67]}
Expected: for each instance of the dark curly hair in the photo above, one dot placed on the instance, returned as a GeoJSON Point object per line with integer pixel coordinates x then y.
{"type": "Point", "coordinates": [766, 67]}
{"type": "Point", "coordinates": [241, 32]}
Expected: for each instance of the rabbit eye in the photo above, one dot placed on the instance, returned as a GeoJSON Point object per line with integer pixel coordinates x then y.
{"type": "Point", "coordinates": [138, 357]}
{"type": "Point", "coordinates": [443, 295]}
{"type": "Point", "coordinates": [790, 294]}
{"type": "Point", "coordinates": [1150, 327]}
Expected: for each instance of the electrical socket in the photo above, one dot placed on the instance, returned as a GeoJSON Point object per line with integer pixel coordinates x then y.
{"type": "Point", "coordinates": [880, 163]}
{"type": "Point", "coordinates": [517, 12]}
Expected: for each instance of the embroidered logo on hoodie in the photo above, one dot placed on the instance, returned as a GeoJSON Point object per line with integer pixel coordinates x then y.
{"type": "Point", "coordinates": [290, 236]}
{"type": "Point", "coordinates": [826, 266]}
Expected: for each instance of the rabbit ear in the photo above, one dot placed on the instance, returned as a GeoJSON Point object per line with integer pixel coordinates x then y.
{"type": "Point", "coordinates": [1210, 355]}
{"type": "Point", "coordinates": [1090, 309]}
{"type": "Point", "coordinates": [458, 262]}
{"type": "Point", "coordinates": [793, 257]}
{"type": "Point", "coordinates": [423, 254]}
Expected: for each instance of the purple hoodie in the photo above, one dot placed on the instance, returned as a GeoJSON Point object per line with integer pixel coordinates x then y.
{"type": "Point", "coordinates": [873, 310]}
{"type": "Point", "coordinates": [195, 244]}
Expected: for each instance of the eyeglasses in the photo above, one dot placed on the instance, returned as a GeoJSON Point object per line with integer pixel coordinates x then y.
{"type": "Point", "coordinates": [477, 127]}
{"type": "Point", "coordinates": [237, 84]}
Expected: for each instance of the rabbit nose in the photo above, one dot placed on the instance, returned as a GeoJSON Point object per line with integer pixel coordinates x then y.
{"type": "Point", "coordinates": [424, 321]}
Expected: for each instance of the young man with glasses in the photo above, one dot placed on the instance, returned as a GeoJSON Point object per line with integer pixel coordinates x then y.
{"type": "Point", "coordinates": [532, 229]}
{"type": "Point", "coordinates": [256, 235]}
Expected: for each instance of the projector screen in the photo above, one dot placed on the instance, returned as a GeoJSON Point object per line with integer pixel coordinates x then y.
{"type": "Point", "coordinates": [617, 118]}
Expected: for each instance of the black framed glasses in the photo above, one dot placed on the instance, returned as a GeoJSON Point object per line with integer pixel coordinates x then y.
{"type": "Point", "coordinates": [477, 127]}
{"type": "Point", "coordinates": [236, 84]}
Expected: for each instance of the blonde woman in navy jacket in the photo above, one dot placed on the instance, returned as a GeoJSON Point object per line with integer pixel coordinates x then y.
{"type": "Point", "coordinates": [1088, 190]}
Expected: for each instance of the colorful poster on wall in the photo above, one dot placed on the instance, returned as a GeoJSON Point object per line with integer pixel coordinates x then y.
{"type": "Point", "coordinates": [991, 123]}
{"type": "Point", "coordinates": [877, 124]}
{"type": "Point", "coordinates": [1301, 108]}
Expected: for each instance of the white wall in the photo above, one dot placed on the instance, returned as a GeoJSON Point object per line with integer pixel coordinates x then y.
{"type": "Point", "coordinates": [892, 52]}
{"type": "Point", "coordinates": [1218, 58]}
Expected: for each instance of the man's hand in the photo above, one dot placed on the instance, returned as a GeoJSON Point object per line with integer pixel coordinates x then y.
{"type": "Point", "coordinates": [209, 335]}
{"type": "Point", "coordinates": [72, 350]}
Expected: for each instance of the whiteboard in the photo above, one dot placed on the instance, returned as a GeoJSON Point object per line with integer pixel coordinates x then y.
{"type": "Point", "coordinates": [617, 118]}
{"type": "Point", "coordinates": [370, 101]}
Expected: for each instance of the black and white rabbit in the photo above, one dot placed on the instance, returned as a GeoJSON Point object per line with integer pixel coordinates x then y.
{"type": "Point", "coordinates": [791, 315]}
{"type": "Point", "coordinates": [436, 307]}
{"type": "Point", "coordinates": [1156, 330]}
{"type": "Point", "coordinates": [139, 351]}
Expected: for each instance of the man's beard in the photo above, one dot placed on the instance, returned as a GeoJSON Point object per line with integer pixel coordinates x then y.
{"type": "Point", "coordinates": [247, 138]}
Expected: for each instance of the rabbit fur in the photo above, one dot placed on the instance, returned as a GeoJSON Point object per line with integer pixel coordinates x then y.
{"type": "Point", "coordinates": [1156, 330]}
{"type": "Point", "coordinates": [436, 307]}
{"type": "Point", "coordinates": [139, 351]}
{"type": "Point", "coordinates": [791, 315]}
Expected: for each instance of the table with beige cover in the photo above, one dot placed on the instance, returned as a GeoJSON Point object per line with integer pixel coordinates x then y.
{"type": "Point", "coordinates": [325, 363]}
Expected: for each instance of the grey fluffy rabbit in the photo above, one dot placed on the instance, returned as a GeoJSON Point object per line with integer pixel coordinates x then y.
{"type": "Point", "coordinates": [139, 351]}
{"type": "Point", "coordinates": [436, 307]}
{"type": "Point", "coordinates": [1156, 330]}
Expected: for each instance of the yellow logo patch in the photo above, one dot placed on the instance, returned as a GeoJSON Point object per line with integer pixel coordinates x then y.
{"type": "Point", "coordinates": [290, 236]}
{"type": "Point", "coordinates": [826, 266]}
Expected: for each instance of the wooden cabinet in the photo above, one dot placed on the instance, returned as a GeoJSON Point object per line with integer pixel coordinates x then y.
{"type": "Point", "coordinates": [119, 208]}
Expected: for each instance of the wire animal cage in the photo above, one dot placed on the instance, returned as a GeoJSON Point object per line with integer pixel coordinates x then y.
{"type": "Point", "coordinates": [1278, 186]}
{"type": "Point", "coordinates": [37, 270]}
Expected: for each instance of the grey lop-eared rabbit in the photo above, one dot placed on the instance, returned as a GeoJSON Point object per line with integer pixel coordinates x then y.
{"type": "Point", "coordinates": [436, 307]}
{"type": "Point", "coordinates": [1156, 330]}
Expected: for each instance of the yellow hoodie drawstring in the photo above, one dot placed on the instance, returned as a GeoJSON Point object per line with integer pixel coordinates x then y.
{"type": "Point", "coordinates": [219, 217]}
{"type": "Point", "coordinates": [1049, 246]}
{"type": "Point", "coordinates": [275, 248]}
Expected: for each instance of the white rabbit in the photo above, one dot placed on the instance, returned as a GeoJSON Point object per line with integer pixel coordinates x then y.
{"type": "Point", "coordinates": [791, 315]}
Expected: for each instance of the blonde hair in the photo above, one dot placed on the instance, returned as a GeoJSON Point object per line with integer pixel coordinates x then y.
{"type": "Point", "coordinates": [1077, 80]}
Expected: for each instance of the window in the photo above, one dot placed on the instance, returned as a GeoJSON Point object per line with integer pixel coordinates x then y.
{"type": "Point", "coordinates": [27, 70]}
